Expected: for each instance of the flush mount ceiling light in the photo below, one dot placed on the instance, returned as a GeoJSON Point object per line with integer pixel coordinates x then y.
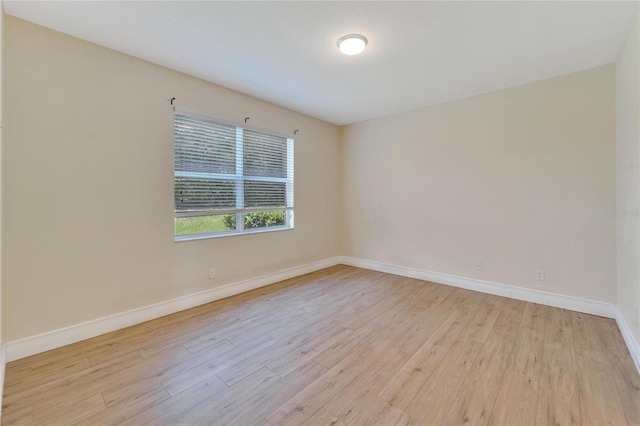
{"type": "Point", "coordinates": [352, 44]}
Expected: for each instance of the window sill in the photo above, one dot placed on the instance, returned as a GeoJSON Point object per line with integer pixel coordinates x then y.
{"type": "Point", "coordinates": [181, 238]}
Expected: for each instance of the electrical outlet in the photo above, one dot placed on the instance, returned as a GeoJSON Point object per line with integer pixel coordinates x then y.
{"type": "Point", "coordinates": [540, 274]}
{"type": "Point", "coordinates": [478, 265]}
{"type": "Point", "coordinates": [212, 273]}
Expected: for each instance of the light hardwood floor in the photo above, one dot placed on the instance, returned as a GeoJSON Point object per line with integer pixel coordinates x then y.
{"type": "Point", "coordinates": [339, 346]}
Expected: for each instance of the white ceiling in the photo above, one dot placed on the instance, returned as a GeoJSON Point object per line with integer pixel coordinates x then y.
{"type": "Point", "coordinates": [419, 53]}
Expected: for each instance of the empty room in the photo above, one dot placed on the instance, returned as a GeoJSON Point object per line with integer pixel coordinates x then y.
{"type": "Point", "coordinates": [319, 213]}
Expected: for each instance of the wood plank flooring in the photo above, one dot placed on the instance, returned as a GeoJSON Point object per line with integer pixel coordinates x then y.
{"type": "Point", "coordinates": [340, 346]}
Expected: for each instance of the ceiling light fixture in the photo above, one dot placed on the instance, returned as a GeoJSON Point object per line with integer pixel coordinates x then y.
{"type": "Point", "coordinates": [352, 44]}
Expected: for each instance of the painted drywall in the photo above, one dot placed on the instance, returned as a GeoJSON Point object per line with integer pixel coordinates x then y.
{"type": "Point", "coordinates": [88, 178]}
{"type": "Point", "coordinates": [520, 179]}
{"type": "Point", "coordinates": [2, 341]}
{"type": "Point", "coordinates": [628, 179]}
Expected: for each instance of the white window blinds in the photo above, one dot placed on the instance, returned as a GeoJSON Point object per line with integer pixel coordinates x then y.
{"type": "Point", "coordinates": [226, 169]}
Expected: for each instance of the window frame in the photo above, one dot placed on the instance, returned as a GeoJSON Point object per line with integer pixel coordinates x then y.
{"type": "Point", "coordinates": [239, 180]}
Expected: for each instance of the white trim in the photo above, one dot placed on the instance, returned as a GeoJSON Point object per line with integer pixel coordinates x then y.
{"type": "Point", "coordinates": [238, 177]}
{"type": "Point", "coordinates": [239, 181]}
{"type": "Point", "coordinates": [629, 338]}
{"type": "Point", "coordinates": [191, 237]}
{"type": "Point", "coordinates": [32, 345]}
{"type": "Point", "coordinates": [572, 303]}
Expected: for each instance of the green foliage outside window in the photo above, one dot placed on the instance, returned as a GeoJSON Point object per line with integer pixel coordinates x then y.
{"type": "Point", "coordinates": [220, 223]}
{"type": "Point", "coordinates": [255, 220]}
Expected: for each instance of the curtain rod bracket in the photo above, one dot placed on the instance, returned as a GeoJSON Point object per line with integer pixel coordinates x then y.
{"type": "Point", "coordinates": [246, 119]}
{"type": "Point", "coordinates": [295, 132]}
{"type": "Point", "coordinates": [172, 99]}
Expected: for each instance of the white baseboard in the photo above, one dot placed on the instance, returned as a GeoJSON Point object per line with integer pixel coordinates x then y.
{"type": "Point", "coordinates": [529, 295]}
{"type": "Point", "coordinates": [32, 345]}
{"type": "Point", "coordinates": [629, 338]}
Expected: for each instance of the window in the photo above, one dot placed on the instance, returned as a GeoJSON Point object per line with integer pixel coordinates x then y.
{"type": "Point", "coordinates": [229, 179]}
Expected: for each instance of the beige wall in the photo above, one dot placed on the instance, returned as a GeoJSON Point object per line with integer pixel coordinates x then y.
{"type": "Point", "coordinates": [519, 179]}
{"type": "Point", "coordinates": [2, 337]}
{"type": "Point", "coordinates": [1, 184]}
{"type": "Point", "coordinates": [628, 178]}
{"type": "Point", "coordinates": [88, 178]}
